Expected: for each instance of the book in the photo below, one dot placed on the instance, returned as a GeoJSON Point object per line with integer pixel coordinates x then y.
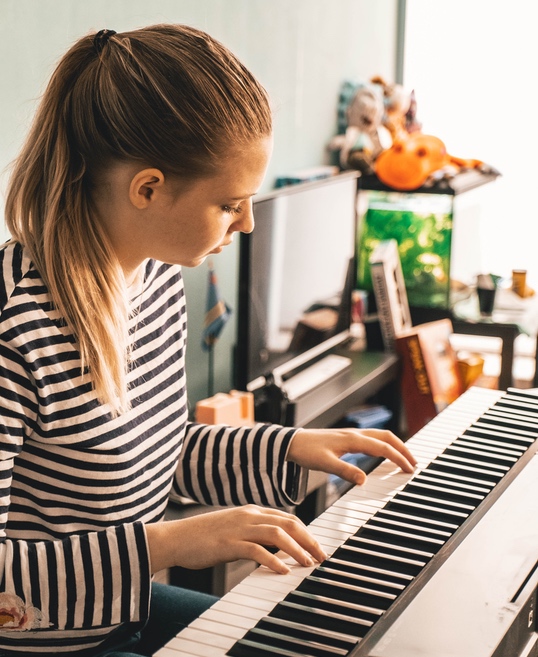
{"type": "Point", "coordinates": [390, 292]}
{"type": "Point", "coordinates": [430, 375]}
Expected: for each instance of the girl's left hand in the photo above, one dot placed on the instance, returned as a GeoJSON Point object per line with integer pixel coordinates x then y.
{"type": "Point", "coordinates": [321, 449]}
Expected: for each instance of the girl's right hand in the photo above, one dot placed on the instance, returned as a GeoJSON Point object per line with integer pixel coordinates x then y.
{"type": "Point", "coordinates": [227, 535]}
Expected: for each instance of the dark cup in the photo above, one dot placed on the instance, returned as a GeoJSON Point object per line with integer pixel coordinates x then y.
{"type": "Point", "coordinates": [486, 299]}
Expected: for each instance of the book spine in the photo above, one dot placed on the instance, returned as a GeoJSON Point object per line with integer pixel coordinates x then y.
{"type": "Point", "coordinates": [417, 395]}
{"type": "Point", "coordinates": [383, 303]}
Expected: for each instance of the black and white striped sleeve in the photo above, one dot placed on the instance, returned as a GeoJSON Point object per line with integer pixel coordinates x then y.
{"type": "Point", "coordinates": [227, 466]}
{"type": "Point", "coordinates": [99, 579]}
{"type": "Point", "coordinates": [86, 580]}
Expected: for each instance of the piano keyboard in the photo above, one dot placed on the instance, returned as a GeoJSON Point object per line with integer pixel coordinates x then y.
{"type": "Point", "coordinates": [383, 540]}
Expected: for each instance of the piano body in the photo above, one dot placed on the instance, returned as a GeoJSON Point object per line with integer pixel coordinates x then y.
{"type": "Point", "coordinates": [440, 563]}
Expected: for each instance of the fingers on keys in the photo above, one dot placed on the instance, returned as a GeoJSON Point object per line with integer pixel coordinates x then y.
{"type": "Point", "coordinates": [285, 532]}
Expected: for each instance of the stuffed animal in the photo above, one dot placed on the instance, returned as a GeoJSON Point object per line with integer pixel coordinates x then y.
{"type": "Point", "coordinates": [417, 160]}
{"type": "Point", "coordinates": [365, 136]}
{"type": "Point", "coordinates": [412, 124]}
{"type": "Point", "coordinates": [397, 104]}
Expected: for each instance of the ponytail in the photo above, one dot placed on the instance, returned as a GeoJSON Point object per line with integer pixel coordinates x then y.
{"type": "Point", "coordinates": [166, 96]}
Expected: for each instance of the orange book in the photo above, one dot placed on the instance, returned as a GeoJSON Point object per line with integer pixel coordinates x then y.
{"type": "Point", "coordinates": [431, 379]}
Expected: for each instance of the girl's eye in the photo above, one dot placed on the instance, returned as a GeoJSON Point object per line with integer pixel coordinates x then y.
{"type": "Point", "coordinates": [229, 210]}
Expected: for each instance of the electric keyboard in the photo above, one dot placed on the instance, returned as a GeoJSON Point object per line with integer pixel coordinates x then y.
{"type": "Point", "coordinates": [385, 541]}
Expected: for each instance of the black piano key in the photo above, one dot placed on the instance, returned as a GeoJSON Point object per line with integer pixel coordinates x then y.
{"type": "Point", "coordinates": [457, 483]}
{"type": "Point", "coordinates": [496, 461]}
{"type": "Point", "coordinates": [383, 547]}
{"type": "Point", "coordinates": [411, 516]}
{"type": "Point", "coordinates": [326, 600]}
{"type": "Point", "coordinates": [247, 648]}
{"type": "Point", "coordinates": [350, 567]}
{"type": "Point", "coordinates": [315, 634]}
{"type": "Point", "coordinates": [466, 474]}
{"type": "Point", "coordinates": [328, 620]}
{"type": "Point", "coordinates": [458, 465]}
{"type": "Point", "coordinates": [510, 420]}
{"type": "Point", "coordinates": [414, 528]}
{"type": "Point", "coordinates": [410, 505]}
{"type": "Point", "coordinates": [518, 410]}
{"type": "Point", "coordinates": [403, 538]}
{"type": "Point", "coordinates": [471, 457]}
{"type": "Point", "coordinates": [376, 558]}
{"type": "Point", "coordinates": [489, 430]}
{"type": "Point", "coordinates": [361, 596]}
{"type": "Point", "coordinates": [489, 445]}
{"type": "Point", "coordinates": [442, 501]}
{"type": "Point", "coordinates": [298, 646]}
{"type": "Point", "coordinates": [354, 576]}
{"type": "Point", "coordinates": [510, 417]}
{"type": "Point", "coordinates": [466, 499]}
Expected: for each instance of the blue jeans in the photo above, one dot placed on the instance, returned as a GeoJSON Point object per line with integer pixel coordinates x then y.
{"type": "Point", "coordinates": [172, 609]}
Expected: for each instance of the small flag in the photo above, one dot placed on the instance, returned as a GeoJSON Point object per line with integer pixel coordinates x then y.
{"type": "Point", "coordinates": [217, 313]}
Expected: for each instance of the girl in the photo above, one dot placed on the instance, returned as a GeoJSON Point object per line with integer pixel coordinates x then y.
{"type": "Point", "coordinates": [144, 156]}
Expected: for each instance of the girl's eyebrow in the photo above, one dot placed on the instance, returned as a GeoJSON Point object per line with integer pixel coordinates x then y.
{"type": "Point", "coordinates": [243, 198]}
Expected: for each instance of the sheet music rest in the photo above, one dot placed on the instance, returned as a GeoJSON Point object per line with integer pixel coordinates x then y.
{"type": "Point", "coordinates": [369, 373]}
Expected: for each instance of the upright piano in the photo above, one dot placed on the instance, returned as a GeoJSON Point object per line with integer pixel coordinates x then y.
{"type": "Point", "coordinates": [440, 563]}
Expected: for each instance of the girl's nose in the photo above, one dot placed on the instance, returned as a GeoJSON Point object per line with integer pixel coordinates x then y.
{"type": "Point", "coordinates": [245, 222]}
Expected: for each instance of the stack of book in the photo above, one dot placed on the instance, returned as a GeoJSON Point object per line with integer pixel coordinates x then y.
{"type": "Point", "coordinates": [431, 377]}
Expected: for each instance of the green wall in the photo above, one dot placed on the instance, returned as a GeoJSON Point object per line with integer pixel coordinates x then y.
{"type": "Point", "coordinates": [301, 50]}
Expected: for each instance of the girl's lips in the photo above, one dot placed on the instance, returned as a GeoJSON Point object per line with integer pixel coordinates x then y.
{"type": "Point", "coordinates": [218, 249]}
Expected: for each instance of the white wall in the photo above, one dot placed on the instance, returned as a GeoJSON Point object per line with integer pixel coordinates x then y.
{"type": "Point", "coordinates": [301, 50]}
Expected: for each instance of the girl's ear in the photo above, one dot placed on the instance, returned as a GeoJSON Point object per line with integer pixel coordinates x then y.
{"type": "Point", "coordinates": [143, 186]}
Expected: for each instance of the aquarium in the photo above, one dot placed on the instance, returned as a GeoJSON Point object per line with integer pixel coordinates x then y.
{"type": "Point", "coordinates": [421, 224]}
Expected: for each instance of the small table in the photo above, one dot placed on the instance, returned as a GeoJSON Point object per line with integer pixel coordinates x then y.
{"type": "Point", "coordinates": [511, 317]}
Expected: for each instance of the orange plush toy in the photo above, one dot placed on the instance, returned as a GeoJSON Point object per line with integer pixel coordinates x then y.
{"type": "Point", "coordinates": [416, 160]}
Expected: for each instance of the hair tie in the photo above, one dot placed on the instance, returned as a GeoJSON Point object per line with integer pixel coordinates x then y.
{"type": "Point", "coordinates": [101, 39]}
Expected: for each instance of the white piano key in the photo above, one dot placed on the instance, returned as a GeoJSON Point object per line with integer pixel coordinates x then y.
{"type": "Point", "coordinates": [278, 583]}
{"type": "Point", "coordinates": [329, 545]}
{"type": "Point", "coordinates": [252, 593]}
{"type": "Point", "coordinates": [215, 627]}
{"type": "Point", "coordinates": [193, 642]}
{"type": "Point", "coordinates": [226, 618]}
{"type": "Point", "coordinates": [239, 596]}
{"type": "Point", "coordinates": [331, 533]}
{"type": "Point", "coordinates": [171, 652]}
{"type": "Point", "coordinates": [339, 521]}
{"type": "Point", "coordinates": [194, 635]}
{"type": "Point", "coordinates": [347, 516]}
{"type": "Point", "coordinates": [235, 609]}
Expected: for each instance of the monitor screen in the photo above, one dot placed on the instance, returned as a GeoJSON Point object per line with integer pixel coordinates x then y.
{"type": "Point", "coordinates": [296, 276]}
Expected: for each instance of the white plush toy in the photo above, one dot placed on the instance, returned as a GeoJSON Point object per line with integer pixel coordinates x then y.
{"type": "Point", "coordinates": [366, 136]}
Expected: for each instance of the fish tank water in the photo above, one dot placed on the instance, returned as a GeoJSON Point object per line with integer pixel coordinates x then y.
{"type": "Point", "coordinates": [421, 224]}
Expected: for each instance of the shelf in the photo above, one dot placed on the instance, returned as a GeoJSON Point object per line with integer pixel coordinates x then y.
{"type": "Point", "coordinates": [458, 184]}
{"type": "Point", "coordinates": [369, 373]}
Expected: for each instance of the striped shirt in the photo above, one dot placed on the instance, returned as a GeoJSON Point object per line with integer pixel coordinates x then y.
{"type": "Point", "coordinates": [78, 485]}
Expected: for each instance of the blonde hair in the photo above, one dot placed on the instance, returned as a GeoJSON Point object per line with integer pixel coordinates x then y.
{"type": "Point", "coordinates": [167, 96]}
